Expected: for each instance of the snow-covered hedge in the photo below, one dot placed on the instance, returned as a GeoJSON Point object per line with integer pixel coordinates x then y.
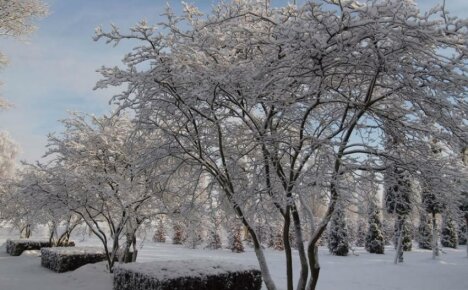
{"type": "Point", "coordinates": [17, 247]}
{"type": "Point", "coordinates": [62, 259]}
{"type": "Point", "coordinates": [181, 275]}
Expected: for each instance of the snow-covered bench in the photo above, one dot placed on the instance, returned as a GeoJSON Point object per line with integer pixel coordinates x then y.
{"type": "Point", "coordinates": [63, 259]}
{"type": "Point", "coordinates": [180, 275]}
{"type": "Point", "coordinates": [17, 247]}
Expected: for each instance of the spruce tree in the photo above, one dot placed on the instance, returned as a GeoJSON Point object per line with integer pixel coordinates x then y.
{"type": "Point", "coordinates": [407, 230]}
{"type": "Point", "coordinates": [424, 232]}
{"type": "Point", "coordinates": [449, 237]}
{"type": "Point", "coordinates": [398, 202]}
{"type": "Point", "coordinates": [235, 240]}
{"type": "Point", "coordinates": [338, 243]}
{"type": "Point", "coordinates": [374, 238]}
{"type": "Point", "coordinates": [178, 235]}
{"type": "Point", "coordinates": [160, 233]}
{"type": "Point", "coordinates": [433, 204]}
{"type": "Point", "coordinates": [214, 240]}
{"type": "Point", "coordinates": [361, 234]}
{"type": "Point", "coordinates": [462, 234]}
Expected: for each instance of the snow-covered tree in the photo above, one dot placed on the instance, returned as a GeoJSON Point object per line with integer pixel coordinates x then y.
{"type": "Point", "coordinates": [338, 242]}
{"type": "Point", "coordinates": [361, 233]}
{"type": "Point", "coordinates": [178, 233]}
{"type": "Point", "coordinates": [261, 97]}
{"type": "Point", "coordinates": [160, 233]}
{"type": "Point", "coordinates": [16, 20]}
{"type": "Point", "coordinates": [424, 231]}
{"type": "Point", "coordinates": [214, 240]}
{"type": "Point", "coordinates": [235, 240]}
{"type": "Point", "coordinates": [99, 174]}
{"type": "Point", "coordinates": [449, 237]}
{"type": "Point", "coordinates": [374, 239]}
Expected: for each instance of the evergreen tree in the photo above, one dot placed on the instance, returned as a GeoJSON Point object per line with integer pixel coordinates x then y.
{"type": "Point", "coordinates": [387, 230]}
{"type": "Point", "coordinates": [338, 233]}
{"type": "Point", "coordinates": [462, 233]}
{"type": "Point", "coordinates": [178, 235]}
{"type": "Point", "coordinates": [160, 233]}
{"type": "Point", "coordinates": [407, 231]}
{"type": "Point", "coordinates": [424, 232]}
{"type": "Point", "coordinates": [235, 240]}
{"type": "Point", "coordinates": [449, 236]}
{"type": "Point", "coordinates": [193, 237]}
{"type": "Point", "coordinates": [278, 243]}
{"type": "Point", "coordinates": [361, 234]}
{"type": "Point", "coordinates": [214, 240]}
{"type": "Point", "coordinates": [398, 202]}
{"type": "Point", "coordinates": [374, 238]}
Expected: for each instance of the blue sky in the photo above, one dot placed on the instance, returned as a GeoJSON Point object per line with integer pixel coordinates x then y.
{"type": "Point", "coordinates": [53, 70]}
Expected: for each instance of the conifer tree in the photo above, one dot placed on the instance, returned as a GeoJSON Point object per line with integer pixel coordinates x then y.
{"type": "Point", "coordinates": [338, 243]}
{"type": "Point", "coordinates": [374, 238]}
{"type": "Point", "coordinates": [214, 240]}
{"type": "Point", "coordinates": [424, 231]}
{"type": "Point", "coordinates": [160, 234]}
{"type": "Point", "coordinates": [449, 236]}
{"type": "Point", "coordinates": [178, 235]}
{"type": "Point", "coordinates": [398, 202]}
{"type": "Point", "coordinates": [235, 240]}
{"type": "Point", "coordinates": [278, 243]}
{"type": "Point", "coordinates": [361, 233]}
{"type": "Point", "coordinates": [462, 234]}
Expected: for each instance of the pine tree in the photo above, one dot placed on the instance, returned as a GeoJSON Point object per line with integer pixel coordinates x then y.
{"type": "Point", "coordinates": [193, 237]}
{"type": "Point", "coordinates": [462, 233]}
{"type": "Point", "coordinates": [407, 230]}
{"type": "Point", "coordinates": [387, 230]}
{"type": "Point", "coordinates": [278, 243]}
{"type": "Point", "coordinates": [424, 232]}
{"type": "Point", "coordinates": [361, 234]}
{"type": "Point", "coordinates": [398, 202]}
{"type": "Point", "coordinates": [178, 235]}
{"type": "Point", "coordinates": [214, 240]}
{"type": "Point", "coordinates": [235, 240]}
{"type": "Point", "coordinates": [374, 239]}
{"type": "Point", "coordinates": [449, 236]}
{"type": "Point", "coordinates": [338, 233]}
{"type": "Point", "coordinates": [160, 233]}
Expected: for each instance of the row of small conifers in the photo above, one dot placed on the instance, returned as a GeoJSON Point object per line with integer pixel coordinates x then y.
{"type": "Point", "coordinates": [160, 275]}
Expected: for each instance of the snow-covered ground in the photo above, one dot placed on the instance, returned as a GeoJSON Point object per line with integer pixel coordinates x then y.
{"type": "Point", "coordinates": [362, 271]}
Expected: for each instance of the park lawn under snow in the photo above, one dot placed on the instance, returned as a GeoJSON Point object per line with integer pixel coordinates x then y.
{"type": "Point", "coordinates": [362, 271]}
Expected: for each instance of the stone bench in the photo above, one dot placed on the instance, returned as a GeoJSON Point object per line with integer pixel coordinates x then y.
{"type": "Point", "coordinates": [181, 275]}
{"type": "Point", "coordinates": [63, 259]}
{"type": "Point", "coordinates": [17, 247]}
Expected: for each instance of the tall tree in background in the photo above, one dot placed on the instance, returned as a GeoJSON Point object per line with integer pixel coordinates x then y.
{"type": "Point", "coordinates": [255, 93]}
{"type": "Point", "coordinates": [16, 18]}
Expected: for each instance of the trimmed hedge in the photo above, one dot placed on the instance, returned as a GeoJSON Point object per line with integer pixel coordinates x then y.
{"type": "Point", "coordinates": [183, 275]}
{"type": "Point", "coordinates": [17, 247]}
{"type": "Point", "coordinates": [63, 259]}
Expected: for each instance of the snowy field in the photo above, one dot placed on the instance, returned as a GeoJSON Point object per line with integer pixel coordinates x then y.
{"type": "Point", "coordinates": [361, 271]}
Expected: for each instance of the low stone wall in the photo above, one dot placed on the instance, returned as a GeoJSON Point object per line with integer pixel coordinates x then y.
{"type": "Point", "coordinates": [17, 247]}
{"type": "Point", "coordinates": [182, 275]}
{"type": "Point", "coordinates": [63, 259]}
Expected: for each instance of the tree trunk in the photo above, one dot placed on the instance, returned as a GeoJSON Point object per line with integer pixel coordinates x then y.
{"type": "Point", "coordinates": [399, 248]}
{"type": "Point", "coordinates": [314, 267]}
{"type": "Point", "coordinates": [466, 233]}
{"type": "Point", "coordinates": [435, 246]}
{"type": "Point", "coordinates": [287, 250]}
{"type": "Point", "coordinates": [302, 283]}
{"type": "Point", "coordinates": [25, 232]}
